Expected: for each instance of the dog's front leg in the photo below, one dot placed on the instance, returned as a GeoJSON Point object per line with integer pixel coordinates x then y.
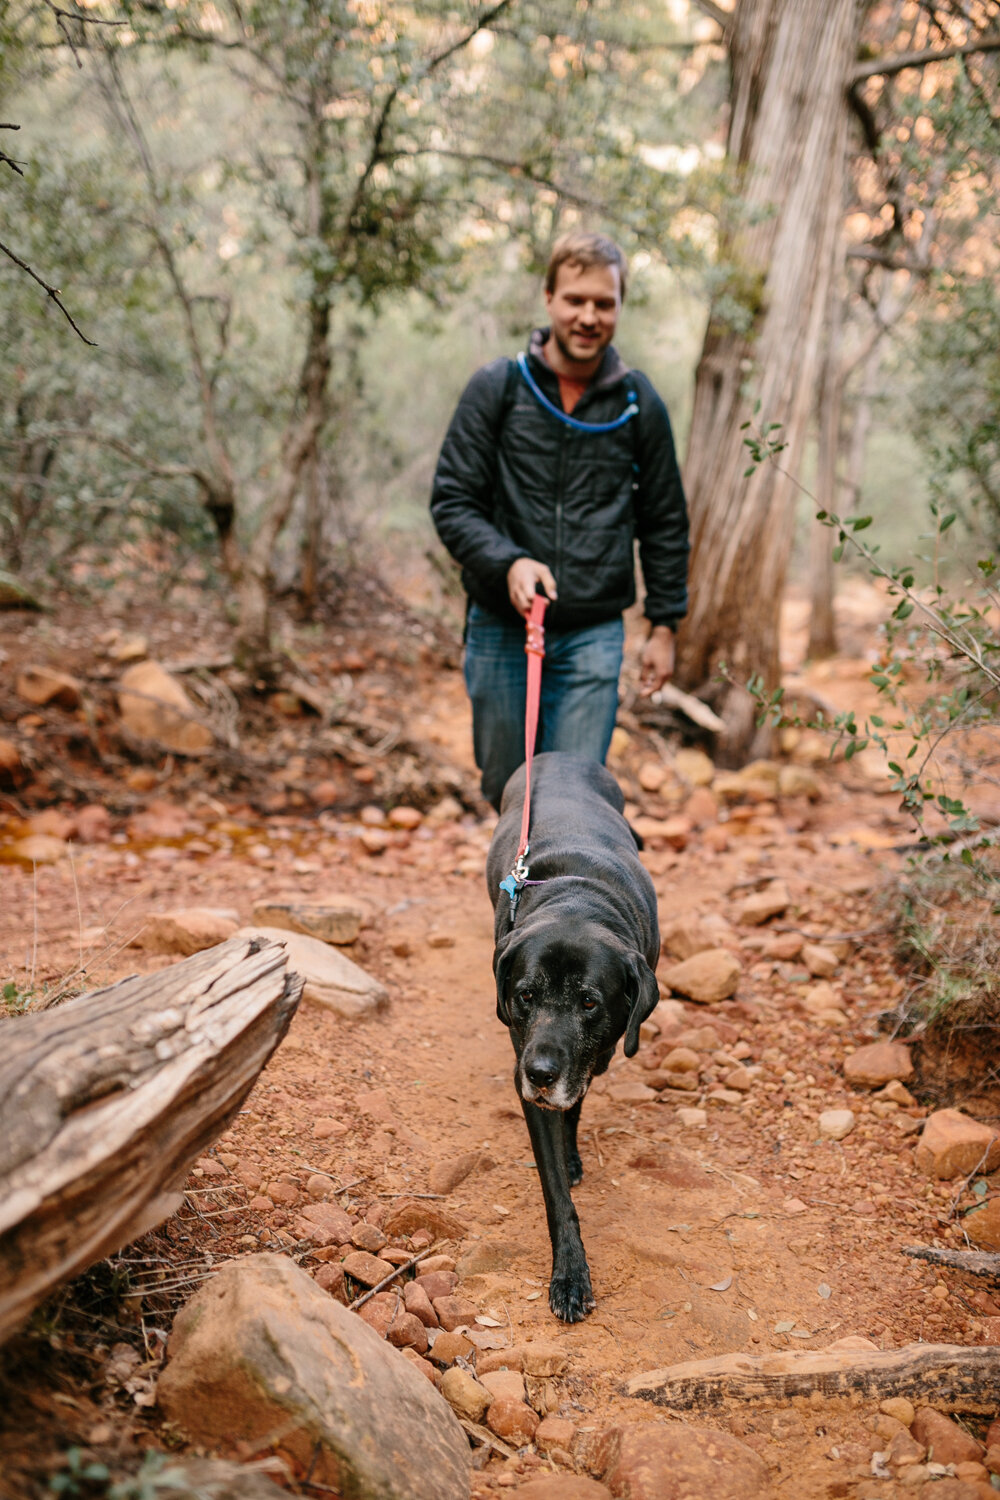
{"type": "Point", "coordinates": [570, 1295]}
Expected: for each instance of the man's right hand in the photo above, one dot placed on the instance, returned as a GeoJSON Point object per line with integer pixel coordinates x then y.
{"type": "Point", "coordinates": [522, 576]}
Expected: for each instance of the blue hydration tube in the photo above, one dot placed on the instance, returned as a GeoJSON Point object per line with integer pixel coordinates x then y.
{"type": "Point", "coordinates": [632, 410]}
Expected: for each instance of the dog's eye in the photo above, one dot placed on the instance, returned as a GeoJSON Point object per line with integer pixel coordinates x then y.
{"type": "Point", "coordinates": [589, 1004]}
{"type": "Point", "coordinates": [524, 997]}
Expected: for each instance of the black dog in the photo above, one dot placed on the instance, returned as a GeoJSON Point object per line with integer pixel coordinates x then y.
{"type": "Point", "coordinates": [574, 971]}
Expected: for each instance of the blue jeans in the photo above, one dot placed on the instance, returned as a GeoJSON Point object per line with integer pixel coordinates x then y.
{"type": "Point", "coordinates": [579, 692]}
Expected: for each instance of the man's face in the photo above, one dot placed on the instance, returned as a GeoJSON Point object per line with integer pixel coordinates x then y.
{"type": "Point", "coordinates": [583, 310]}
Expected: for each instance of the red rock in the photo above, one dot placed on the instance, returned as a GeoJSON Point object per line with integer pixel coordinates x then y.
{"type": "Point", "coordinates": [324, 1224]}
{"type": "Point", "coordinates": [331, 1278]}
{"type": "Point", "coordinates": [554, 1432]}
{"type": "Point", "coordinates": [418, 1303]}
{"type": "Point", "coordinates": [44, 685]}
{"type": "Point", "coordinates": [499, 1359]}
{"type": "Point", "coordinates": [250, 1176]}
{"type": "Point", "coordinates": [445, 1176]}
{"type": "Point", "coordinates": [467, 1398]}
{"type": "Point", "coordinates": [454, 1312]}
{"type": "Point", "coordinates": [365, 1268]}
{"type": "Point", "coordinates": [379, 1312]}
{"type": "Point", "coordinates": [953, 1145]}
{"type": "Point", "coordinates": [260, 1204]}
{"type": "Point", "coordinates": [701, 808]}
{"type": "Point", "coordinates": [562, 1486]}
{"type": "Point", "coordinates": [437, 1283]}
{"type": "Point", "coordinates": [706, 977]}
{"type": "Point", "coordinates": [419, 1363]}
{"type": "Point", "coordinates": [52, 822]}
{"type": "Point", "coordinates": [762, 905]}
{"type": "Point", "coordinates": [405, 817]}
{"type": "Point", "coordinates": [784, 946]}
{"type": "Point", "coordinates": [448, 1347]}
{"type": "Point", "coordinates": [508, 1384]}
{"type": "Point", "coordinates": [10, 759]}
{"type": "Point", "coordinates": [411, 1214]}
{"type": "Point", "coordinates": [324, 1127]}
{"type": "Point", "coordinates": [545, 1360]}
{"type": "Point", "coordinates": [945, 1441]}
{"type": "Point", "coordinates": [716, 838]}
{"type": "Point", "coordinates": [653, 1462]}
{"type": "Point", "coordinates": [878, 1063]}
{"type": "Point", "coordinates": [513, 1420]}
{"type": "Point", "coordinates": [93, 824]}
{"type": "Point", "coordinates": [408, 1332]}
{"type": "Point", "coordinates": [368, 1237]}
{"type": "Point", "coordinates": [394, 1256]}
{"type": "Point", "coordinates": [983, 1226]}
{"type": "Point", "coordinates": [285, 1193]}
{"type": "Point", "coordinates": [433, 1262]}
{"type": "Point", "coordinates": [904, 1449]}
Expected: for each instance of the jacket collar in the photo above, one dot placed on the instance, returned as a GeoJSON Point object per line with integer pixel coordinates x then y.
{"type": "Point", "coordinates": [611, 369]}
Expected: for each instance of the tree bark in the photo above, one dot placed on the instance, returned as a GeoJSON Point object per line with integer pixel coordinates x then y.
{"type": "Point", "coordinates": [787, 141]}
{"type": "Point", "coordinates": [951, 1377]}
{"type": "Point", "coordinates": [822, 625]}
{"type": "Point", "coordinates": [108, 1099]}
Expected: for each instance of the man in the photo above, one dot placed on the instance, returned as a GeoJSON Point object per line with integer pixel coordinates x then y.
{"type": "Point", "coordinates": [550, 469]}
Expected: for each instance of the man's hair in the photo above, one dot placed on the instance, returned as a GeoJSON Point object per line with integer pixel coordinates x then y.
{"type": "Point", "coordinates": [581, 247]}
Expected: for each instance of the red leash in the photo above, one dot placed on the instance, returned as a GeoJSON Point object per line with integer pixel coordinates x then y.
{"type": "Point", "coordinates": [534, 646]}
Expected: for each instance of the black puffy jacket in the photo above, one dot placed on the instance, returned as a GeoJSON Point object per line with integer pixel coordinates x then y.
{"type": "Point", "coordinates": [514, 481]}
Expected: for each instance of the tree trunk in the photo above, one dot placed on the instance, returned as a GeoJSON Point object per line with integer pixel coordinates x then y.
{"type": "Point", "coordinates": [108, 1099]}
{"type": "Point", "coordinates": [787, 139]}
{"type": "Point", "coordinates": [822, 627]}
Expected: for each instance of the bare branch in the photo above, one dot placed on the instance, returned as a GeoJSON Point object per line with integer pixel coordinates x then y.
{"type": "Point", "coordinates": [83, 18]}
{"type": "Point", "coordinates": [148, 465]}
{"type": "Point", "coordinates": [885, 257]}
{"type": "Point", "coordinates": [9, 159]}
{"type": "Point", "coordinates": [723, 18]}
{"type": "Point", "coordinates": [885, 66]}
{"type": "Point", "coordinates": [433, 62]}
{"type": "Point", "coordinates": [50, 291]}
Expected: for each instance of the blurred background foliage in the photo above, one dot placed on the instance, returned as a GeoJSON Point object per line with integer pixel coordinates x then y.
{"type": "Point", "coordinates": [203, 179]}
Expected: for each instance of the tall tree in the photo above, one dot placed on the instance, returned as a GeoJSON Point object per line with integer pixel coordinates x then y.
{"type": "Point", "coordinates": [795, 84]}
{"type": "Point", "coordinates": [786, 143]}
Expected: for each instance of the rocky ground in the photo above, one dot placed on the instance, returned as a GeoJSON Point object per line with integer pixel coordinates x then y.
{"type": "Point", "coordinates": [751, 1178]}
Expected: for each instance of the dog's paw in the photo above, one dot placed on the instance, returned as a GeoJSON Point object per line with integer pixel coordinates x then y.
{"type": "Point", "coordinates": [571, 1298]}
{"type": "Point", "coordinates": [575, 1167]}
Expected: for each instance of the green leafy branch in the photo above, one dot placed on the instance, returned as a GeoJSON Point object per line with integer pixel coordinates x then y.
{"type": "Point", "coordinates": [963, 630]}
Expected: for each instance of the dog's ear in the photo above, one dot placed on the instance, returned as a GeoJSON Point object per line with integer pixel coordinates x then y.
{"type": "Point", "coordinates": [502, 960]}
{"type": "Point", "coordinates": [643, 994]}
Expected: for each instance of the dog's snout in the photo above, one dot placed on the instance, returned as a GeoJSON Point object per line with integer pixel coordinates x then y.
{"type": "Point", "coordinates": [542, 1068]}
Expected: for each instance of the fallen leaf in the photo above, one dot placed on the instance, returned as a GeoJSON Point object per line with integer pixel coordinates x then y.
{"type": "Point", "coordinates": [824, 1290]}
{"type": "Point", "coordinates": [721, 1286]}
{"type": "Point", "coordinates": [800, 1333]}
{"type": "Point", "coordinates": [751, 1315]}
{"type": "Point", "coordinates": [487, 1322]}
{"type": "Point", "coordinates": [785, 1326]}
{"type": "Point", "coordinates": [532, 1296]}
{"type": "Point", "coordinates": [499, 1209]}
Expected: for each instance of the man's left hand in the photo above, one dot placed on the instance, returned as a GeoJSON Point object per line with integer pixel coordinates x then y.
{"type": "Point", "coordinates": [657, 665]}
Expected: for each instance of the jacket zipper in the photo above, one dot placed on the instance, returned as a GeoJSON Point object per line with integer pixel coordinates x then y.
{"type": "Point", "coordinates": [560, 487]}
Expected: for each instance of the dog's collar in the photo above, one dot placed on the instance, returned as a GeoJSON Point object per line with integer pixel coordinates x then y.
{"type": "Point", "coordinates": [514, 883]}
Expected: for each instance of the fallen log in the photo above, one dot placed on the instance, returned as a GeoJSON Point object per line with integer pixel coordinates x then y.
{"type": "Point", "coordinates": [951, 1377]}
{"type": "Point", "coordinates": [976, 1262]}
{"type": "Point", "coordinates": [106, 1101]}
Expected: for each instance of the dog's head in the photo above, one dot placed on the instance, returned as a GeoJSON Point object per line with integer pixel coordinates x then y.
{"type": "Point", "coordinates": [567, 997]}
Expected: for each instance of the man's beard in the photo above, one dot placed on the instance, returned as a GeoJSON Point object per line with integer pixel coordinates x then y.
{"type": "Point", "coordinates": [579, 359]}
